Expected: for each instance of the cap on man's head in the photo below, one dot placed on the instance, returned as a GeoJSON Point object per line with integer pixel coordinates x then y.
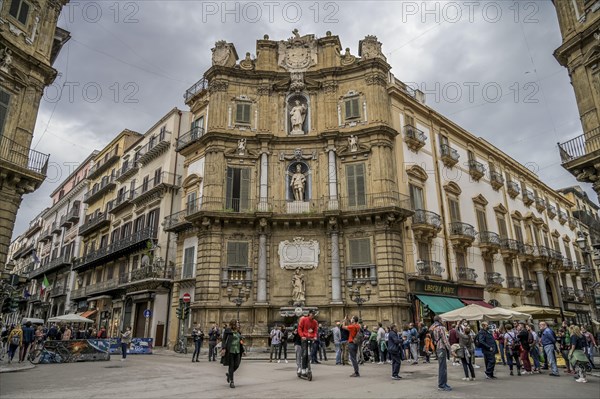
{"type": "Point", "coordinates": [311, 312]}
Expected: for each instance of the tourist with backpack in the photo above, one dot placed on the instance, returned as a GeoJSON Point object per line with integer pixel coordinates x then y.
{"type": "Point", "coordinates": [15, 341]}
{"type": "Point", "coordinates": [548, 343]}
{"type": "Point", "coordinates": [513, 348]}
{"type": "Point", "coordinates": [465, 352]}
{"type": "Point", "coordinates": [526, 340]}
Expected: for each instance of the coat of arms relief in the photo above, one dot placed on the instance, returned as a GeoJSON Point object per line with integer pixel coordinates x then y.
{"type": "Point", "coordinates": [224, 54]}
{"type": "Point", "coordinates": [298, 53]}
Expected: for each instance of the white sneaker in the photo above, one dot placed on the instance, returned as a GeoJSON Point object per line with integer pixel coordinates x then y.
{"type": "Point", "coordinates": [279, 361]}
{"type": "Point", "coordinates": [466, 379]}
{"type": "Point", "coordinates": [286, 362]}
{"type": "Point", "coordinates": [472, 378]}
{"type": "Point", "coordinates": [303, 371]}
{"type": "Point", "coordinates": [122, 359]}
{"type": "Point", "coordinates": [581, 380]}
{"type": "Point", "coordinates": [476, 366]}
{"type": "Point", "coordinates": [299, 370]}
{"type": "Point", "coordinates": [380, 363]}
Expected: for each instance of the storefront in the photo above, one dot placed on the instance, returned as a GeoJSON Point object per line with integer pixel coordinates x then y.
{"type": "Point", "coordinates": [579, 313]}
{"type": "Point", "coordinates": [430, 298]}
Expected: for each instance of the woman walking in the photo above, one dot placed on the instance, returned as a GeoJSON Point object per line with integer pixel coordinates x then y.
{"type": "Point", "coordinates": [15, 341]}
{"type": "Point", "coordinates": [499, 337]}
{"type": "Point", "coordinates": [467, 348]}
{"type": "Point", "coordinates": [231, 353]}
{"type": "Point", "coordinates": [513, 349]}
{"type": "Point", "coordinates": [577, 357]}
{"type": "Point", "coordinates": [125, 341]}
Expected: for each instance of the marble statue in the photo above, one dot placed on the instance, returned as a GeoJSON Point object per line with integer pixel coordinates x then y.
{"type": "Point", "coordinates": [297, 183]}
{"type": "Point", "coordinates": [298, 287]}
{"type": "Point", "coordinates": [297, 116]}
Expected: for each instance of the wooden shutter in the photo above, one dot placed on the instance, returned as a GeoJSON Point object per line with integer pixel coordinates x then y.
{"type": "Point", "coordinates": [355, 176]}
{"type": "Point", "coordinates": [352, 108]}
{"type": "Point", "coordinates": [245, 189]}
{"type": "Point", "coordinates": [454, 206]}
{"type": "Point", "coordinates": [188, 262]}
{"type": "Point", "coordinates": [460, 260]}
{"type": "Point", "coordinates": [481, 220]}
{"type": "Point", "coordinates": [360, 251]}
{"type": "Point", "coordinates": [237, 254]}
{"type": "Point", "coordinates": [502, 227]}
{"type": "Point", "coordinates": [229, 189]}
{"type": "Point", "coordinates": [191, 201]}
{"type": "Point", "coordinates": [4, 100]}
{"type": "Point", "coordinates": [443, 140]}
{"type": "Point", "coordinates": [423, 251]}
{"type": "Point", "coordinates": [416, 197]}
{"type": "Point", "coordinates": [157, 176]}
{"type": "Point", "coordinates": [242, 113]}
{"type": "Point", "coordinates": [508, 265]}
{"type": "Point", "coordinates": [518, 232]}
{"type": "Point", "coordinates": [153, 221]}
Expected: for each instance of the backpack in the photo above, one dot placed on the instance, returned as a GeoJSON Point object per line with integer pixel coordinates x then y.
{"type": "Point", "coordinates": [15, 340]}
{"type": "Point", "coordinates": [359, 337]}
{"type": "Point", "coordinates": [516, 343]}
{"type": "Point", "coordinates": [478, 339]}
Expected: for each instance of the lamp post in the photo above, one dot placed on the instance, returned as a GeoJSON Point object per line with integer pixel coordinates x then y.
{"type": "Point", "coordinates": [240, 298]}
{"type": "Point", "coordinates": [360, 300]}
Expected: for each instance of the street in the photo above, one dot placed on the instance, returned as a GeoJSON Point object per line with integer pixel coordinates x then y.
{"type": "Point", "coordinates": [167, 375]}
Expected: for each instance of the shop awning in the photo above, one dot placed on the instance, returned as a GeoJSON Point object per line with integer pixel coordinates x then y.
{"type": "Point", "coordinates": [89, 313]}
{"type": "Point", "coordinates": [440, 304]}
{"type": "Point", "coordinates": [568, 313]}
{"type": "Point", "coordinates": [480, 303]}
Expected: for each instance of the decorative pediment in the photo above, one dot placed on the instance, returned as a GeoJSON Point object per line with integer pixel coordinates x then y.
{"type": "Point", "coordinates": [542, 225]}
{"type": "Point", "coordinates": [452, 188]}
{"type": "Point", "coordinates": [417, 172]}
{"type": "Point", "coordinates": [555, 233]}
{"type": "Point", "coordinates": [501, 209]}
{"type": "Point", "coordinates": [566, 238]}
{"type": "Point", "coordinates": [480, 200]}
{"type": "Point", "coordinates": [191, 181]}
{"type": "Point", "coordinates": [240, 151]}
{"type": "Point", "coordinates": [516, 215]}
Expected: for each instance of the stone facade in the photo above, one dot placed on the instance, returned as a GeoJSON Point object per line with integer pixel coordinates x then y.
{"type": "Point", "coordinates": [30, 44]}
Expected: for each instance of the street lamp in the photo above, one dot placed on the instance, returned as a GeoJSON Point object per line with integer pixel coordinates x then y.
{"type": "Point", "coordinates": [241, 297]}
{"type": "Point", "coordinates": [360, 300]}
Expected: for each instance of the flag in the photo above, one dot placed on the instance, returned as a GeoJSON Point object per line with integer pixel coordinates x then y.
{"type": "Point", "coordinates": [26, 293]}
{"type": "Point", "coordinates": [45, 284]}
{"type": "Point", "coordinates": [35, 257]}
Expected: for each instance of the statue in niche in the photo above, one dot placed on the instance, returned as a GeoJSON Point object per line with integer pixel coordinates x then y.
{"type": "Point", "coordinates": [297, 116]}
{"type": "Point", "coordinates": [5, 59]}
{"type": "Point", "coordinates": [241, 146]}
{"type": "Point", "coordinates": [353, 143]}
{"type": "Point", "coordinates": [298, 183]}
{"type": "Point", "coordinates": [298, 288]}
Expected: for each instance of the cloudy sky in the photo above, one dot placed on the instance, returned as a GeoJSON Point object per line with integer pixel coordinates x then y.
{"type": "Point", "coordinates": [486, 65]}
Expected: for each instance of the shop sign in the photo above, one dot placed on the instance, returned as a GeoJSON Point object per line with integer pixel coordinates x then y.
{"type": "Point", "coordinates": [429, 287]}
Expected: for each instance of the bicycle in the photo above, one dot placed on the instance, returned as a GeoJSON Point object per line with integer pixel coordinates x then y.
{"type": "Point", "coordinates": [57, 354]}
{"type": "Point", "coordinates": [181, 346]}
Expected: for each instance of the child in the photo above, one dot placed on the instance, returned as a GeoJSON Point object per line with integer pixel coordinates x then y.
{"type": "Point", "coordinates": [428, 347]}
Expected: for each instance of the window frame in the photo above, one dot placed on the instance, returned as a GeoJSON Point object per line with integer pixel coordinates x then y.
{"type": "Point", "coordinates": [349, 115]}
{"type": "Point", "coordinates": [19, 11]}
{"type": "Point", "coordinates": [353, 184]}
{"type": "Point", "coordinates": [246, 105]}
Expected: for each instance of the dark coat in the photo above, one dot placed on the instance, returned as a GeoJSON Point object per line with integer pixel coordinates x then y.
{"type": "Point", "coordinates": [486, 341]}
{"type": "Point", "coordinates": [227, 340]}
{"type": "Point", "coordinates": [394, 342]}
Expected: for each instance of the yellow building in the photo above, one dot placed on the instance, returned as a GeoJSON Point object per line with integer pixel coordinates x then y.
{"type": "Point", "coordinates": [30, 42]}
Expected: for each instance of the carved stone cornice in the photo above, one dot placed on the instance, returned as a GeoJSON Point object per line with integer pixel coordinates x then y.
{"type": "Point", "coordinates": [330, 87]}
{"type": "Point", "coordinates": [376, 79]}
{"type": "Point", "coordinates": [217, 86]}
{"type": "Point", "coordinates": [264, 90]}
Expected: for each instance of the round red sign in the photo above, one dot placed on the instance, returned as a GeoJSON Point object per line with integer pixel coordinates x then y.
{"type": "Point", "coordinates": [186, 297]}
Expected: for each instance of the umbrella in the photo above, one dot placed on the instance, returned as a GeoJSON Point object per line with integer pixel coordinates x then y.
{"type": "Point", "coordinates": [70, 318]}
{"type": "Point", "coordinates": [477, 313]}
{"type": "Point", "coordinates": [538, 312]}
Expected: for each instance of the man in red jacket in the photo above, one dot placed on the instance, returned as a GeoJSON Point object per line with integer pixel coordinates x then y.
{"type": "Point", "coordinates": [307, 330]}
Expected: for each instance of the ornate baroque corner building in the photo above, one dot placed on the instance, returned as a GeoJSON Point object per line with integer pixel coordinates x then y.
{"type": "Point", "coordinates": [30, 43]}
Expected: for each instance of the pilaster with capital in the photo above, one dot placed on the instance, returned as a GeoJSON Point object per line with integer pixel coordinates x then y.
{"type": "Point", "coordinates": [336, 273]}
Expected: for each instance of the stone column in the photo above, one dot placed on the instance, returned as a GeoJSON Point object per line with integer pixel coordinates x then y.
{"type": "Point", "coordinates": [261, 291]}
{"type": "Point", "coordinates": [559, 293]}
{"type": "Point", "coordinates": [542, 286]}
{"type": "Point", "coordinates": [264, 182]}
{"type": "Point", "coordinates": [336, 274]}
{"type": "Point", "coordinates": [333, 194]}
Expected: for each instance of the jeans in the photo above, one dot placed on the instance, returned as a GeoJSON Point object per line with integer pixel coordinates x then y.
{"type": "Point", "coordinates": [353, 349]}
{"type": "Point", "coordinates": [313, 352]}
{"type": "Point", "coordinates": [381, 352]}
{"type": "Point", "coordinates": [502, 355]}
{"type": "Point", "coordinates": [396, 362]}
{"type": "Point", "coordinates": [338, 353]}
{"type": "Point", "coordinates": [274, 350]}
{"type": "Point", "coordinates": [490, 362]}
{"type": "Point", "coordinates": [442, 368]}
{"type": "Point", "coordinates": [468, 366]}
{"type": "Point", "coordinates": [512, 358]}
{"type": "Point", "coordinates": [234, 363]}
{"type": "Point", "coordinates": [375, 351]}
{"type": "Point", "coordinates": [124, 350]}
{"type": "Point", "coordinates": [212, 355]}
{"type": "Point", "coordinates": [12, 349]}
{"type": "Point", "coordinates": [24, 348]}
{"type": "Point", "coordinates": [535, 354]}
{"type": "Point", "coordinates": [282, 347]}
{"type": "Point", "coordinates": [414, 346]}
{"type": "Point", "coordinates": [197, 346]}
{"type": "Point", "coordinates": [307, 347]}
{"type": "Point", "coordinates": [549, 351]}
{"type": "Point", "coordinates": [322, 350]}
{"type": "Point", "coordinates": [344, 352]}
{"type": "Point", "coordinates": [565, 355]}
{"type": "Point", "coordinates": [298, 356]}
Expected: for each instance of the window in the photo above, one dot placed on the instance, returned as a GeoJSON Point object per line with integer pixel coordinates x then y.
{"type": "Point", "coordinates": [481, 220]}
{"type": "Point", "coordinates": [470, 155]}
{"type": "Point", "coordinates": [98, 276]}
{"type": "Point", "coordinates": [109, 272]}
{"type": "Point", "coordinates": [360, 251]}
{"type": "Point", "coordinates": [114, 237]}
{"type": "Point", "coordinates": [508, 265]}
{"type": "Point", "coordinates": [4, 100]}
{"type": "Point", "coordinates": [502, 227]}
{"type": "Point", "coordinates": [355, 177]}
{"type": "Point", "coordinates": [423, 251]}
{"type": "Point", "coordinates": [237, 254]}
{"type": "Point", "coordinates": [556, 244]}
{"type": "Point", "coordinates": [461, 262]}
{"type": "Point", "coordinates": [352, 108]}
{"type": "Point", "coordinates": [103, 241]}
{"type": "Point", "coordinates": [568, 251]}
{"type": "Point", "coordinates": [489, 266]}
{"type": "Point", "coordinates": [157, 176]}
{"type": "Point", "coordinates": [188, 262]}
{"type": "Point", "coordinates": [191, 201]}
{"type": "Point", "coordinates": [443, 142]}
{"type": "Point", "coordinates": [238, 189]}
{"type": "Point", "coordinates": [518, 232]}
{"type": "Point", "coordinates": [454, 207]}
{"type": "Point", "coordinates": [135, 261]}
{"type": "Point", "coordinates": [416, 197]}
{"type": "Point", "coordinates": [145, 184]}
{"type": "Point", "coordinates": [242, 113]}
{"type": "Point", "coordinates": [19, 9]}
{"type": "Point", "coordinates": [88, 279]}
{"type": "Point", "coordinates": [409, 120]}
{"type": "Point", "coordinates": [132, 186]}
{"type": "Point", "coordinates": [197, 128]}
{"type": "Point", "coordinates": [139, 223]}
{"type": "Point", "coordinates": [153, 221]}
{"type": "Point", "coordinates": [126, 230]}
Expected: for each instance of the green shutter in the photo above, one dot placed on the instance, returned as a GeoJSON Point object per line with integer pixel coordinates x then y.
{"type": "Point", "coordinates": [365, 251]}
{"type": "Point", "coordinates": [245, 189]}
{"type": "Point", "coordinates": [351, 106]}
{"type": "Point", "coordinates": [242, 113]}
{"type": "Point", "coordinates": [350, 180]}
{"type": "Point", "coordinates": [4, 100]}
{"type": "Point", "coordinates": [354, 252]}
{"type": "Point", "coordinates": [355, 177]}
{"type": "Point", "coordinates": [243, 254]}
{"type": "Point", "coordinates": [229, 189]}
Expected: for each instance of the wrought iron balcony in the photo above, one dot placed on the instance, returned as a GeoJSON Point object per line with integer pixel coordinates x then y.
{"type": "Point", "coordinates": [188, 138]}
{"type": "Point", "coordinates": [127, 170]}
{"type": "Point", "coordinates": [466, 275]}
{"type": "Point", "coordinates": [509, 247]}
{"type": "Point", "coordinates": [528, 197]}
{"type": "Point", "coordinates": [462, 234]}
{"type": "Point", "coordinates": [107, 184]}
{"type": "Point", "coordinates": [568, 293]}
{"type": "Point", "coordinates": [104, 286]}
{"type": "Point", "coordinates": [102, 165]}
{"type": "Point", "coordinates": [78, 293]}
{"type": "Point", "coordinates": [388, 199]}
{"type": "Point", "coordinates": [25, 250]}
{"type": "Point", "coordinates": [580, 146]}
{"type": "Point", "coordinates": [567, 265]}
{"type": "Point", "coordinates": [496, 180]}
{"type": "Point", "coordinates": [562, 217]}
{"type": "Point", "coordinates": [489, 243]}
{"type": "Point", "coordinates": [55, 228]}
{"type": "Point", "coordinates": [540, 204]}
{"type": "Point", "coordinates": [155, 146]}
{"type": "Point", "coordinates": [531, 285]}
{"type": "Point", "coordinates": [476, 169]}
{"type": "Point", "coordinates": [116, 249]}
{"type": "Point", "coordinates": [449, 155]}
{"type": "Point", "coordinates": [198, 87]}
{"type": "Point", "coordinates": [157, 185]}
{"type": "Point", "coordinates": [542, 252]}
{"type": "Point", "coordinates": [92, 223]}
{"type": "Point", "coordinates": [35, 297]}
{"type": "Point", "coordinates": [177, 222]}
{"type": "Point", "coordinates": [584, 272]}
{"type": "Point", "coordinates": [580, 295]}
{"type": "Point", "coordinates": [151, 272]}
{"type": "Point", "coordinates": [18, 155]}
{"type": "Point", "coordinates": [414, 138]}
{"type": "Point", "coordinates": [514, 283]}
{"type": "Point", "coordinates": [34, 228]}
{"type": "Point", "coordinates": [425, 224]}
{"type": "Point", "coordinates": [551, 211]}
{"type": "Point", "coordinates": [587, 218]}
{"type": "Point", "coordinates": [121, 202]}
{"type": "Point", "coordinates": [429, 268]}
{"type": "Point", "coordinates": [494, 281]}
{"type": "Point", "coordinates": [64, 222]}
{"type": "Point", "coordinates": [73, 214]}
{"type": "Point", "coordinates": [513, 189]}
{"type": "Point", "coordinates": [58, 290]}
{"type": "Point", "coordinates": [56, 263]}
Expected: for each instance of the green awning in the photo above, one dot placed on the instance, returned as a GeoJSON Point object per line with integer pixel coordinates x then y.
{"type": "Point", "coordinates": [440, 304]}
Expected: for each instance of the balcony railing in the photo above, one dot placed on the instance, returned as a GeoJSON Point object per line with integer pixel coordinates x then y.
{"type": "Point", "coordinates": [531, 285]}
{"type": "Point", "coordinates": [423, 217]}
{"type": "Point", "coordinates": [359, 274]}
{"type": "Point", "coordinates": [176, 221]}
{"type": "Point", "coordinates": [580, 294]}
{"type": "Point", "coordinates": [551, 210]}
{"type": "Point", "coordinates": [58, 290]}
{"type": "Point", "coordinates": [63, 260]}
{"type": "Point", "coordinates": [115, 249]}
{"type": "Point", "coordinates": [126, 170]}
{"type": "Point", "coordinates": [104, 164]}
{"type": "Point", "coordinates": [23, 157]}
{"type": "Point", "coordinates": [528, 197]}
{"type": "Point", "coordinates": [94, 222]}
{"type": "Point", "coordinates": [429, 268]}
{"type": "Point", "coordinates": [150, 272]}
{"type": "Point", "coordinates": [462, 229]}
{"type": "Point", "coordinates": [567, 264]}
{"type": "Point", "coordinates": [414, 137]}
{"type": "Point", "coordinates": [156, 145]}
{"type": "Point", "coordinates": [568, 293]}
{"type": "Point", "coordinates": [580, 146]}
{"type": "Point", "coordinates": [235, 275]}
{"type": "Point", "coordinates": [509, 245]}
{"type": "Point", "coordinates": [188, 138]}
{"type": "Point", "coordinates": [493, 278]}
{"type": "Point", "coordinates": [449, 155]}
{"type": "Point", "coordinates": [102, 286]}
{"type": "Point", "coordinates": [587, 218]}
{"type": "Point", "coordinates": [163, 180]}
{"type": "Point", "coordinates": [107, 184]}
{"type": "Point", "coordinates": [199, 86]}
{"type": "Point", "coordinates": [514, 282]}
{"type": "Point", "coordinates": [476, 169]}
{"type": "Point", "coordinates": [489, 238]}
{"type": "Point", "coordinates": [562, 217]}
{"type": "Point", "coordinates": [540, 204]}
{"type": "Point", "coordinates": [34, 228]}
{"type": "Point", "coordinates": [466, 274]}
{"type": "Point", "coordinates": [373, 201]}
{"type": "Point", "coordinates": [122, 200]}
{"type": "Point", "coordinates": [496, 180]}
{"type": "Point", "coordinates": [542, 252]}
{"type": "Point", "coordinates": [513, 188]}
